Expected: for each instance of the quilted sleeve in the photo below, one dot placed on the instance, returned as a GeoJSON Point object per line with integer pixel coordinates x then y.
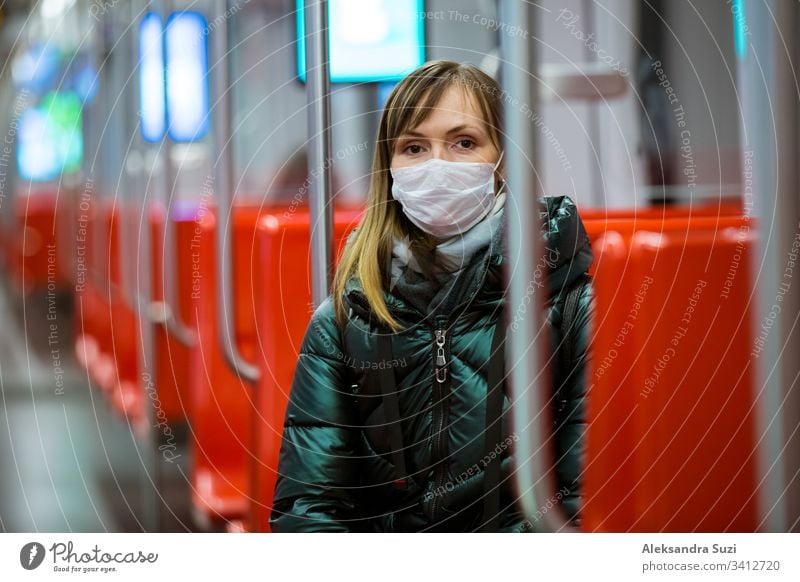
{"type": "Point", "coordinates": [570, 430]}
{"type": "Point", "coordinates": [318, 467]}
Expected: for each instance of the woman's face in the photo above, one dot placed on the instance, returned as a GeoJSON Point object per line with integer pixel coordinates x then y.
{"type": "Point", "coordinates": [455, 131]}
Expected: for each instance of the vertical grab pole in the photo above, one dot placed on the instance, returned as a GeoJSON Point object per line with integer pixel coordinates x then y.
{"type": "Point", "coordinates": [225, 187]}
{"type": "Point", "coordinates": [767, 49]}
{"type": "Point", "coordinates": [168, 313]}
{"type": "Point", "coordinates": [143, 295]}
{"type": "Point", "coordinates": [529, 342]}
{"type": "Point", "coordinates": [319, 137]}
{"type": "Point", "coordinates": [170, 294]}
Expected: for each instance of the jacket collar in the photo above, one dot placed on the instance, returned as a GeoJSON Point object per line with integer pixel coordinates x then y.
{"type": "Point", "coordinates": [567, 256]}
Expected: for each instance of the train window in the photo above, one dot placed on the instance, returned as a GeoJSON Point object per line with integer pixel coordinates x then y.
{"type": "Point", "coordinates": [370, 40]}
{"type": "Point", "coordinates": [187, 76]}
{"type": "Point", "coordinates": [151, 78]}
{"type": "Point", "coordinates": [50, 139]}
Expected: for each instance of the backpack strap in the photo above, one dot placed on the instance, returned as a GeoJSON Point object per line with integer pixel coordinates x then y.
{"type": "Point", "coordinates": [494, 426]}
{"type": "Point", "coordinates": [391, 408]}
{"type": "Point", "coordinates": [496, 390]}
{"type": "Point", "coordinates": [568, 317]}
{"type": "Point", "coordinates": [568, 339]}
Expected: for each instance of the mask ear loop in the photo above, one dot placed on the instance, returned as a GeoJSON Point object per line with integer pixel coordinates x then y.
{"type": "Point", "coordinates": [503, 182]}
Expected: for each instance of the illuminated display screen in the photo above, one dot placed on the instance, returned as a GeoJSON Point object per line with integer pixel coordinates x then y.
{"type": "Point", "coordinates": [370, 40]}
{"type": "Point", "coordinates": [151, 78]}
{"type": "Point", "coordinates": [187, 76]}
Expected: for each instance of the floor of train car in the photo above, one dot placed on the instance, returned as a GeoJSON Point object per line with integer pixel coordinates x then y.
{"type": "Point", "coordinates": [67, 463]}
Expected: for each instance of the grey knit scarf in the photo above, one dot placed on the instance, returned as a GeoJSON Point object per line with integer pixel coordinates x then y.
{"type": "Point", "coordinates": [425, 280]}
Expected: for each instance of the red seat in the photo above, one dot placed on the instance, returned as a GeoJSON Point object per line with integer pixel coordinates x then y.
{"type": "Point", "coordinates": [94, 297]}
{"type": "Point", "coordinates": [712, 209]}
{"type": "Point", "coordinates": [108, 340]}
{"type": "Point", "coordinates": [596, 227]}
{"type": "Point", "coordinates": [33, 256]}
{"type": "Point", "coordinates": [221, 402]}
{"type": "Point", "coordinates": [126, 389]}
{"type": "Point", "coordinates": [671, 442]}
{"type": "Point", "coordinates": [172, 358]}
{"type": "Point", "coordinates": [87, 346]}
{"type": "Point", "coordinates": [118, 367]}
{"type": "Point", "coordinates": [284, 310]}
{"type": "Point", "coordinates": [124, 386]}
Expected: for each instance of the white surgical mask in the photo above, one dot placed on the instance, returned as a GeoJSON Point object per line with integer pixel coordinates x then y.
{"type": "Point", "coordinates": [445, 198]}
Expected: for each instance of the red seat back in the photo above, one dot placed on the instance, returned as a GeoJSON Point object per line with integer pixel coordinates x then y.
{"type": "Point", "coordinates": [713, 209]}
{"type": "Point", "coordinates": [284, 312]}
{"type": "Point", "coordinates": [222, 402]}
{"type": "Point", "coordinates": [173, 359]}
{"type": "Point", "coordinates": [671, 444]}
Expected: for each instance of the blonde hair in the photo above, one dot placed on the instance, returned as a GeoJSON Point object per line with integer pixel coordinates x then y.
{"type": "Point", "coordinates": [367, 255]}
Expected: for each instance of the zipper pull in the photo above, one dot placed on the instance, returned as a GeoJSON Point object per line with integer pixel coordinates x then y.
{"type": "Point", "coordinates": [440, 339]}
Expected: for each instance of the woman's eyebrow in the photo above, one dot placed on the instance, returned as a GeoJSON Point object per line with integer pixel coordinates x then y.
{"type": "Point", "coordinates": [462, 127]}
{"type": "Point", "coordinates": [411, 133]}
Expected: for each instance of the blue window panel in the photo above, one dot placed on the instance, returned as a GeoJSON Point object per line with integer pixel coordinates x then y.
{"type": "Point", "coordinates": [187, 76]}
{"type": "Point", "coordinates": [151, 78]}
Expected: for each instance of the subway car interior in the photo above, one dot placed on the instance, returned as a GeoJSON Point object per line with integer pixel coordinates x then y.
{"type": "Point", "coordinates": [178, 176]}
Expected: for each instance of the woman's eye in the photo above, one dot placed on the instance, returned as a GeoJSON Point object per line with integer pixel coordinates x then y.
{"type": "Point", "coordinates": [465, 143]}
{"type": "Point", "coordinates": [414, 148]}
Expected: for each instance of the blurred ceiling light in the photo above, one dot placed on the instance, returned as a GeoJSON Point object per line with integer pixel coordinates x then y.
{"type": "Point", "coordinates": [53, 9]}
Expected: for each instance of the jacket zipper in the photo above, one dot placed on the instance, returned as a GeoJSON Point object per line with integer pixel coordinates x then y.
{"type": "Point", "coordinates": [441, 386]}
{"type": "Point", "coordinates": [440, 396]}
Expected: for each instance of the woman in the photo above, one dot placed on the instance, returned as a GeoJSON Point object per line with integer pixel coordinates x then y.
{"type": "Point", "coordinates": [391, 420]}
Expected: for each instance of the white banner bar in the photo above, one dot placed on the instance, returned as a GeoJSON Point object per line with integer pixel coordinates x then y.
{"type": "Point", "coordinates": [390, 557]}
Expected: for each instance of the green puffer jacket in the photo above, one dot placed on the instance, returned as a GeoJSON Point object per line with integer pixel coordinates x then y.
{"type": "Point", "coordinates": [338, 470]}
